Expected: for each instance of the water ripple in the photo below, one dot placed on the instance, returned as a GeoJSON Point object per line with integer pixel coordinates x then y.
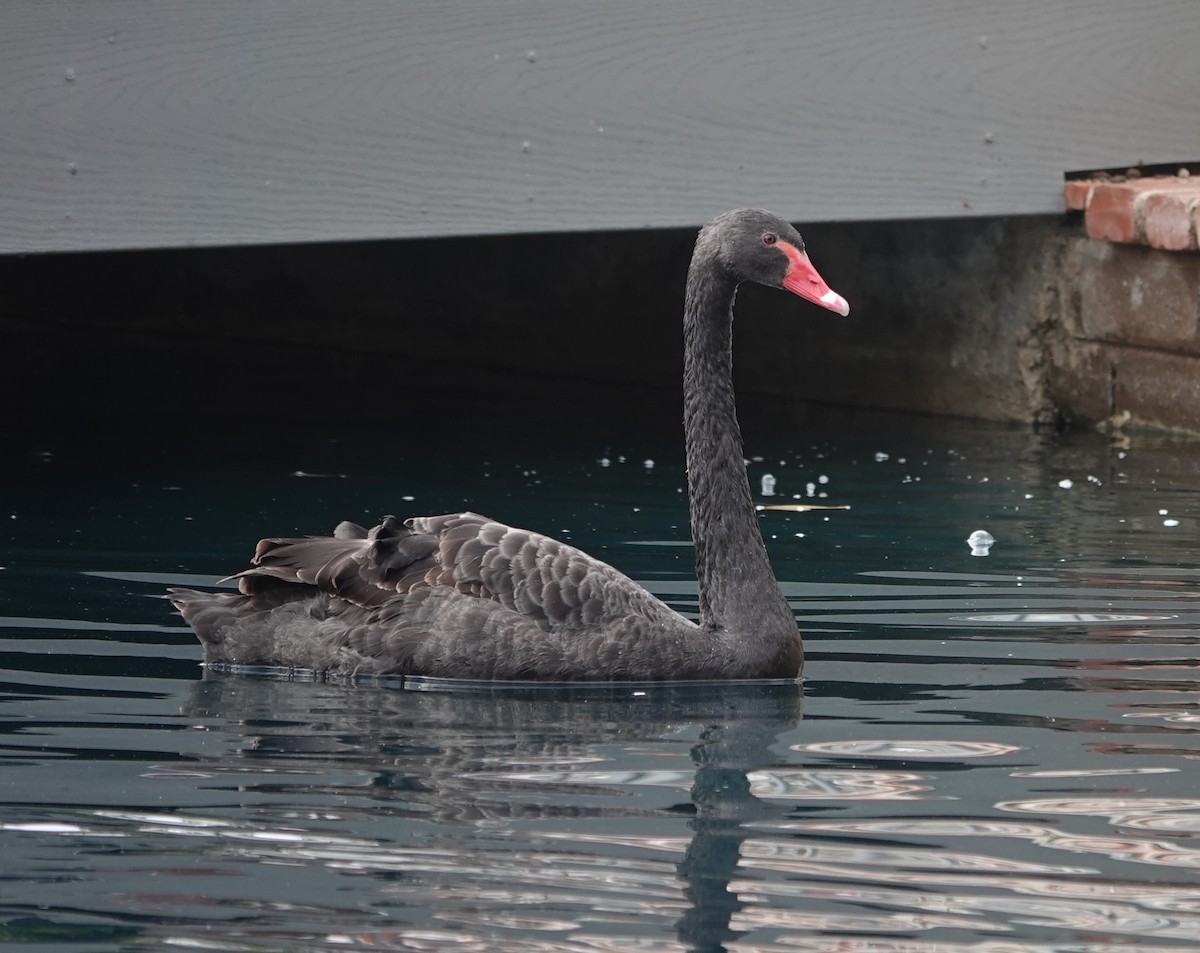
{"type": "Point", "coordinates": [1113, 808]}
{"type": "Point", "coordinates": [799, 785]}
{"type": "Point", "coordinates": [922, 749]}
{"type": "Point", "coordinates": [1116, 848]}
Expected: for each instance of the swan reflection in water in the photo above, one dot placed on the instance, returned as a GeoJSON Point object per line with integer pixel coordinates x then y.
{"type": "Point", "coordinates": [488, 805]}
{"type": "Point", "coordinates": [672, 817]}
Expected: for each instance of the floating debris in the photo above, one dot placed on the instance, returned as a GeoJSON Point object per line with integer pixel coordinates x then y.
{"type": "Point", "coordinates": [797, 507]}
{"type": "Point", "coordinates": [980, 542]}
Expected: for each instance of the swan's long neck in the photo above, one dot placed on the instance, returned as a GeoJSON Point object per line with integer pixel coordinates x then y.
{"type": "Point", "coordinates": [738, 591]}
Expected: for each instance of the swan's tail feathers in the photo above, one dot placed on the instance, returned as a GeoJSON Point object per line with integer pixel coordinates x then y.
{"type": "Point", "coordinates": [281, 626]}
{"type": "Point", "coordinates": [210, 614]}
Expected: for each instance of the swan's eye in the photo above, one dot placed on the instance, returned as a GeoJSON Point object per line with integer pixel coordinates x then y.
{"type": "Point", "coordinates": [770, 238]}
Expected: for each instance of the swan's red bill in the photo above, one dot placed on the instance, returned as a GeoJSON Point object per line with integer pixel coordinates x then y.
{"type": "Point", "coordinates": [804, 280]}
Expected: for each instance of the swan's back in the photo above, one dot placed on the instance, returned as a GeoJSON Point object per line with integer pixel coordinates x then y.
{"type": "Point", "coordinates": [457, 595]}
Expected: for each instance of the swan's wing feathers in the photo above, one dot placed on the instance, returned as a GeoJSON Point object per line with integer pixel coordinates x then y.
{"type": "Point", "coordinates": [394, 551]}
{"type": "Point", "coordinates": [361, 566]}
{"type": "Point", "coordinates": [550, 583]}
{"type": "Point", "coordinates": [347, 530]}
{"type": "Point", "coordinates": [457, 595]}
{"type": "Point", "coordinates": [314, 561]}
{"type": "Point", "coordinates": [542, 579]}
{"type": "Point", "coordinates": [443, 631]}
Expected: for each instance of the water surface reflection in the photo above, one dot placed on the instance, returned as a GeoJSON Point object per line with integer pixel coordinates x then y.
{"type": "Point", "coordinates": [991, 755]}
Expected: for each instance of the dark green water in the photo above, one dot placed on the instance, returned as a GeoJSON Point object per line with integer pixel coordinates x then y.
{"type": "Point", "coordinates": [990, 753]}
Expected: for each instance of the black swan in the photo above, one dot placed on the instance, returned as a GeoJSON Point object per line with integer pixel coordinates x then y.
{"type": "Point", "coordinates": [463, 596]}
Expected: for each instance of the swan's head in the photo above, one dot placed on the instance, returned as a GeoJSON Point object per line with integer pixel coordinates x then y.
{"type": "Point", "coordinates": [757, 245]}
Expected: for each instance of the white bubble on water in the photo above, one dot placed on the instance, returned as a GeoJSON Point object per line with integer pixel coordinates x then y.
{"type": "Point", "coordinates": [980, 542]}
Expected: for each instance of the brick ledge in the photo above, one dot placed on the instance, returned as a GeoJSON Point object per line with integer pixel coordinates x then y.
{"type": "Point", "coordinates": [1161, 211]}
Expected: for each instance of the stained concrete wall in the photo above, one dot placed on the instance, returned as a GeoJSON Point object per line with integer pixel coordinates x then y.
{"type": "Point", "coordinates": [1124, 338]}
{"type": "Point", "coordinates": [1018, 319]}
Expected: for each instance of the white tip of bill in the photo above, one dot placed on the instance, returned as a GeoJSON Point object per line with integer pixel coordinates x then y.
{"type": "Point", "coordinates": [835, 302]}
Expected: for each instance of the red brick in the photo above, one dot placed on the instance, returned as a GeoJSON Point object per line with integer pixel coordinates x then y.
{"type": "Point", "coordinates": [1167, 220]}
{"type": "Point", "coordinates": [1115, 210]}
{"type": "Point", "coordinates": [1110, 213]}
{"type": "Point", "coordinates": [1076, 193]}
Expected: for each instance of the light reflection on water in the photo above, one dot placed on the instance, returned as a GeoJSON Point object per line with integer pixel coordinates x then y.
{"type": "Point", "coordinates": [990, 755]}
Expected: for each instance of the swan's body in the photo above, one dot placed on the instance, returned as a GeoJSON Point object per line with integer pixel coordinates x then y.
{"type": "Point", "coordinates": [462, 596]}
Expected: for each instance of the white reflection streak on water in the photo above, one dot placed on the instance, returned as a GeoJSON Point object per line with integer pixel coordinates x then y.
{"type": "Point", "coordinates": [1113, 808]}
{"type": "Point", "coordinates": [823, 944]}
{"type": "Point", "coordinates": [1073, 903]}
{"type": "Point", "coordinates": [1169, 717]}
{"type": "Point", "coordinates": [604, 889]}
{"type": "Point", "coordinates": [674, 779]}
{"type": "Point", "coordinates": [1089, 772]}
{"type": "Point", "coordinates": [605, 886]}
{"type": "Point", "coordinates": [624, 890]}
{"type": "Point", "coordinates": [809, 857]}
{"type": "Point", "coordinates": [1118, 848]}
{"type": "Point", "coordinates": [608, 887]}
{"type": "Point", "coordinates": [962, 910]}
{"type": "Point", "coordinates": [1177, 898]}
{"type": "Point", "coordinates": [754, 917]}
{"type": "Point", "coordinates": [914, 748]}
{"type": "Point", "coordinates": [784, 784]}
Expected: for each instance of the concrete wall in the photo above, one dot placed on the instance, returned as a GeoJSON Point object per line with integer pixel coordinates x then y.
{"type": "Point", "coordinates": [1017, 319]}
{"type": "Point", "coordinates": [1125, 340]}
{"type": "Point", "coordinates": [176, 123]}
